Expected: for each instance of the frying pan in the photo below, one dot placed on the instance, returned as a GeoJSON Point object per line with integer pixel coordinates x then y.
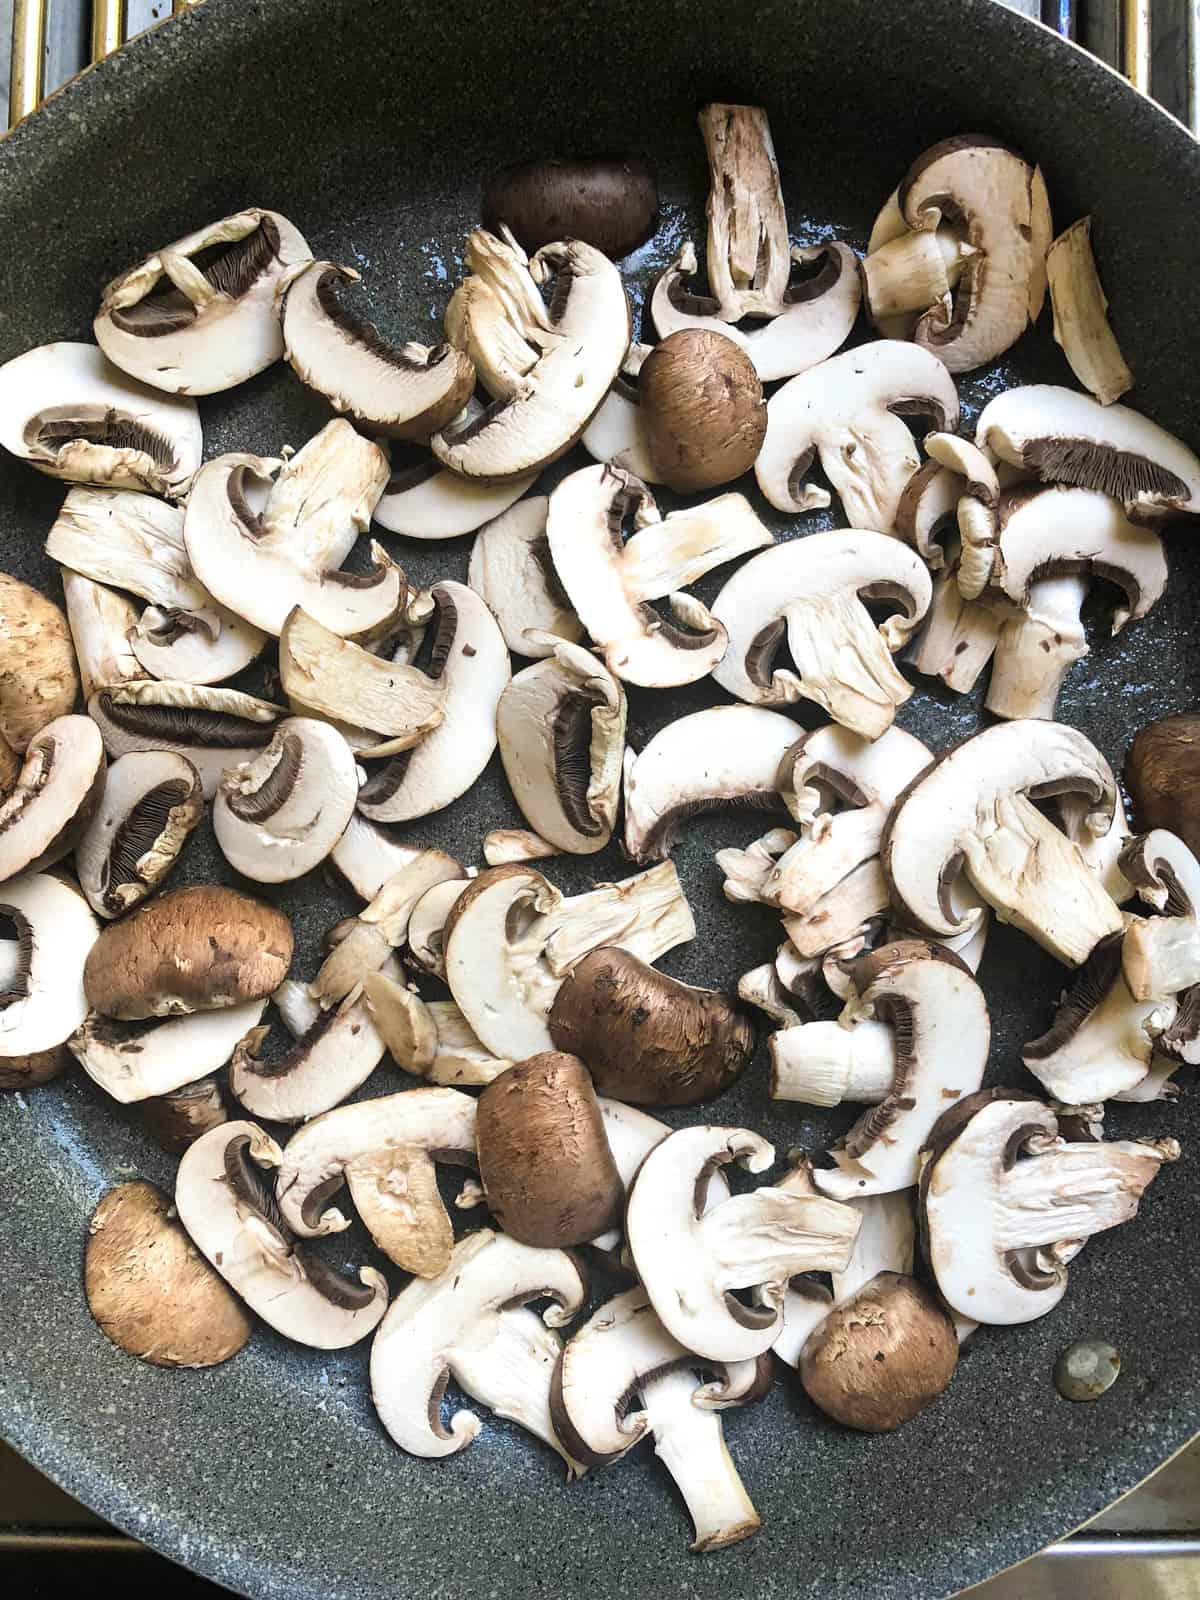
{"type": "Point", "coordinates": [371, 126]}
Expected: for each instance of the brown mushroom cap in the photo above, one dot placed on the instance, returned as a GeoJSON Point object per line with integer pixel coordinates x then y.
{"type": "Point", "coordinates": [547, 1171]}
{"type": "Point", "coordinates": [38, 680]}
{"type": "Point", "coordinates": [882, 1356]}
{"type": "Point", "coordinates": [611, 202]}
{"type": "Point", "coordinates": [1162, 773]}
{"type": "Point", "coordinates": [149, 1288]}
{"type": "Point", "coordinates": [196, 949]}
{"type": "Point", "coordinates": [27, 1072]}
{"type": "Point", "coordinates": [702, 408]}
{"type": "Point", "coordinates": [175, 1120]}
{"type": "Point", "coordinates": [649, 1039]}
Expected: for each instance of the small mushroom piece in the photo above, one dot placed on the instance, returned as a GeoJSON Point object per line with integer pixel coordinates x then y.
{"type": "Point", "coordinates": [1081, 325]}
{"type": "Point", "coordinates": [617, 434]}
{"type": "Point", "coordinates": [512, 570]}
{"type": "Point", "coordinates": [561, 729]}
{"type": "Point", "coordinates": [1060, 436]}
{"type": "Point", "coordinates": [1006, 1202]}
{"type": "Point", "coordinates": [44, 1000]}
{"type": "Point", "coordinates": [548, 1174]}
{"type": "Point", "coordinates": [430, 1038]}
{"type": "Point", "coordinates": [197, 949]}
{"type": "Point", "coordinates": [959, 636]}
{"type": "Point", "coordinates": [223, 1201]}
{"type": "Point", "coordinates": [427, 925]}
{"type": "Point", "coordinates": [71, 414]}
{"type": "Point", "coordinates": [691, 1261]}
{"type": "Point", "coordinates": [826, 1063]}
{"type": "Point", "coordinates": [623, 1352]}
{"type": "Point", "coordinates": [469, 668]}
{"type": "Point", "coordinates": [472, 1324]}
{"type": "Point", "coordinates": [648, 1038]}
{"type": "Point", "coordinates": [886, 1242]}
{"type": "Point", "coordinates": [279, 815]}
{"type": "Point", "coordinates": [385, 1150]}
{"type": "Point", "coordinates": [748, 248]}
{"type": "Point", "coordinates": [136, 1062]}
{"type": "Point", "coordinates": [178, 1119]}
{"type": "Point", "coordinates": [1162, 774]}
{"type": "Point", "coordinates": [928, 511]}
{"type": "Point", "coordinates": [1160, 955]}
{"type": "Point", "coordinates": [102, 623]}
{"type": "Point", "coordinates": [149, 1288]}
{"type": "Point", "coordinates": [609, 201]}
{"type": "Point", "coordinates": [151, 804]}
{"type": "Point", "coordinates": [850, 412]}
{"type": "Point", "coordinates": [702, 410]}
{"type": "Point", "coordinates": [511, 939]}
{"type": "Point", "coordinates": [198, 316]}
{"type": "Point", "coordinates": [813, 591]}
{"type": "Point", "coordinates": [367, 855]}
{"type": "Point", "coordinates": [54, 798]}
{"type": "Point", "coordinates": [632, 1134]}
{"type": "Point", "coordinates": [906, 274]}
{"type": "Point", "coordinates": [502, 846]}
{"type": "Point", "coordinates": [498, 315]}
{"type": "Point", "coordinates": [611, 584]}
{"type": "Point", "coordinates": [38, 677]}
{"type": "Point", "coordinates": [425, 500]}
{"type": "Point", "coordinates": [974, 811]}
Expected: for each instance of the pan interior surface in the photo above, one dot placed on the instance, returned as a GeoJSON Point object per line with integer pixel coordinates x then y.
{"type": "Point", "coordinates": [371, 127]}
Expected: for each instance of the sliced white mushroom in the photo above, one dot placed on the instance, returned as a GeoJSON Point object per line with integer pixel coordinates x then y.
{"type": "Point", "coordinates": [427, 925]}
{"type": "Point", "coordinates": [367, 856]}
{"type": "Point", "coordinates": [959, 636]}
{"type": "Point", "coordinates": [152, 801]}
{"type": "Point", "coordinates": [454, 1058]}
{"type": "Point", "coordinates": [134, 1061]}
{"type": "Point", "coordinates": [886, 1242]}
{"type": "Point", "coordinates": [927, 511]}
{"type": "Point", "coordinates": [826, 1063]}
{"type": "Point", "coordinates": [504, 845]}
{"type": "Point", "coordinates": [617, 433]}
{"type": "Point", "coordinates": [429, 501]}
{"type": "Point", "coordinates": [102, 623]}
{"type": "Point", "coordinates": [747, 872]}
{"type": "Point", "coordinates": [54, 798]}
{"type": "Point", "coordinates": [512, 569]}
{"type": "Point", "coordinates": [748, 248]}
{"type": "Point", "coordinates": [846, 918]}
{"type": "Point", "coordinates": [498, 315]}
{"type": "Point", "coordinates": [45, 1002]}
{"type": "Point", "coordinates": [199, 315]}
{"type": "Point", "coordinates": [1081, 325]}
{"type": "Point", "coordinates": [1160, 955]}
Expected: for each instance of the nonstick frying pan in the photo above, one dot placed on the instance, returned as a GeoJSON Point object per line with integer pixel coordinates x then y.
{"type": "Point", "coordinates": [371, 125]}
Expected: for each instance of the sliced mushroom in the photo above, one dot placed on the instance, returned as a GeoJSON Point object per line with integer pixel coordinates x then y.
{"type": "Point", "coordinates": [849, 410]}
{"type": "Point", "coordinates": [691, 1262]}
{"type": "Point", "coordinates": [632, 1134]}
{"type": "Point", "coordinates": [843, 919]}
{"type": "Point", "coordinates": [1160, 955]}
{"type": "Point", "coordinates": [960, 636]}
{"type": "Point", "coordinates": [44, 1001]}
{"type": "Point", "coordinates": [473, 1324]}
{"type": "Point", "coordinates": [1063, 437]}
{"type": "Point", "coordinates": [135, 1062]}
{"type": "Point", "coordinates": [886, 1242]}
{"type": "Point", "coordinates": [178, 1119]}
{"type": "Point", "coordinates": [427, 925]}
{"type": "Point", "coordinates": [511, 568]}
{"type": "Point", "coordinates": [102, 623]}
{"type": "Point", "coordinates": [511, 938]}
{"type": "Point", "coordinates": [224, 1203]}
{"type": "Point", "coordinates": [367, 855]}
{"type": "Point", "coordinates": [748, 248]}
{"type": "Point", "coordinates": [812, 591]}
{"type": "Point", "coordinates": [501, 846]}
{"type": "Point", "coordinates": [55, 796]}
{"type": "Point", "coordinates": [152, 802]}
{"type": "Point", "coordinates": [498, 314]}
{"type": "Point", "coordinates": [1006, 1202]}
{"type": "Point", "coordinates": [71, 414]}
{"type": "Point", "coordinates": [38, 678]}
{"type": "Point", "coordinates": [431, 1039]}
{"type": "Point", "coordinates": [1081, 325]}
{"type": "Point", "coordinates": [617, 433]}
{"type": "Point", "coordinates": [428, 501]}
{"type": "Point", "coordinates": [199, 315]}
{"type": "Point", "coordinates": [213, 728]}
{"type": "Point", "coordinates": [905, 274]}
{"type": "Point", "coordinates": [385, 1150]}
{"type": "Point", "coordinates": [827, 1063]}
{"type": "Point", "coordinates": [1162, 769]}
{"type": "Point", "coordinates": [927, 512]}
{"type": "Point", "coordinates": [973, 810]}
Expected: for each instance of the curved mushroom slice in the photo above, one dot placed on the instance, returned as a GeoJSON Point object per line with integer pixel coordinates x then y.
{"type": "Point", "coordinates": [905, 274]}
{"type": "Point", "coordinates": [367, 856]}
{"type": "Point", "coordinates": [748, 247]}
{"type": "Point", "coordinates": [385, 1150]}
{"type": "Point", "coordinates": [1161, 955]}
{"type": "Point", "coordinates": [976, 512]}
{"type": "Point", "coordinates": [44, 1002]}
{"type": "Point", "coordinates": [428, 501]}
{"type": "Point", "coordinates": [224, 1203]}
{"type": "Point", "coordinates": [632, 1134]}
{"type": "Point", "coordinates": [1006, 1202]}
{"type": "Point", "coordinates": [818, 313]}
{"type": "Point", "coordinates": [845, 411]}
{"type": "Point", "coordinates": [102, 623]}
{"type": "Point", "coordinates": [691, 1262]}
{"type": "Point", "coordinates": [542, 417]}
{"type": "Point", "coordinates": [151, 803]}
{"type": "Point", "coordinates": [845, 919]}
{"type": "Point", "coordinates": [502, 846]}
{"type": "Point", "coordinates": [1061, 436]}
{"type": "Point", "coordinates": [561, 729]}
{"type": "Point", "coordinates": [199, 315]}
{"type": "Point", "coordinates": [617, 432]}
{"type": "Point", "coordinates": [812, 591]}
{"type": "Point", "coordinates": [427, 925]}
{"type": "Point", "coordinates": [54, 798]}
{"type": "Point", "coordinates": [280, 815]}
{"type": "Point", "coordinates": [927, 510]}
{"type": "Point", "coordinates": [71, 414]}
{"type": "Point", "coordinates": [726, 755]}
{"type": "Point", "coordinates": [624, 1351]}
{"type": "Point", "coordinates": [38, 676]}
{"type": "Point", "coordinates": [1081, 326]}
{"type": "Point", "coordinates": [135, 1062]}
{"type": "Point", "coordinates": [511, 938]}
{"type": "Point", "coordinates": [213, 728]}
{"type": "Point", "coordinates": [973, 810]}
{"type": "Point", "coordinates": [511, 568]}
{"type": "Point", "coordinates": [471, 668]}
{"type": "Point", "coordinates": [472, 1324]}
{"type": "Point", "coordinates": [405, 392]}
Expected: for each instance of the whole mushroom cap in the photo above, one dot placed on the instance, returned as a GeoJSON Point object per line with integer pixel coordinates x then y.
{"type": "Point", "coordinates": [1162, 771]}
{"type": "Point", "coordinates": [38, 680]}
{"type": "Point", "coordinates": [702, 408]}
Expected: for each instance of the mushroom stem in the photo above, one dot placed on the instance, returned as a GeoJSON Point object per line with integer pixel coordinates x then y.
{"type": "Point", "coordinates": [959, 635]}
{"type": "Point", "coordinates": [647, 915]}
{"type": "Point", "coordinates": [844, 662]}
{"type": "Point", "coordinates": [690, 1443]}
{"type": "Point", "coordinates": [766, 1238]}
{"type": "Point", "coordinates": [1072, 1191]}
{"type": "Point", "coordinates": [913, 272]}
{"type": "Point", "coordinates": [1036, 648]}
{"type": "Point", "coordinates": [831, 847]}
{"type": "Point", "coordinates": [824, 1063]}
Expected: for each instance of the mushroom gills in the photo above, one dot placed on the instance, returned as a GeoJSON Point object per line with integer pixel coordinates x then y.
{"type": "Point", "coordinates": [212, 728]}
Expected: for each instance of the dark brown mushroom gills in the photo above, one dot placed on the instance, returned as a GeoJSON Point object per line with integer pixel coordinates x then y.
{"type": "Point", "coordinates": [702, 409]}
{"type": "Point", "coordinates": [611, 203]}
{"type": "Point", "coordinates": [1162, 773]}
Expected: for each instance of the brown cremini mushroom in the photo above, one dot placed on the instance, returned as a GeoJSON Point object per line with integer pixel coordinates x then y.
{"type": "Point", "coordinates": [175, 1120]}
{"type": "Point", "coordinates": [38, 680]}
{"type": "Point", "coordinates": [1162, 773]}
{"type": "Point", "coordinates": [28, 1072]}
{"type": "Point", "coordinates": [609, 201]}
{"type": "Point", "coordinates": [702, 409]}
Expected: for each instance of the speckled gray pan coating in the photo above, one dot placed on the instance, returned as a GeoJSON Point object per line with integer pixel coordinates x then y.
{"type": "Point", "coordinates": [370, 125]}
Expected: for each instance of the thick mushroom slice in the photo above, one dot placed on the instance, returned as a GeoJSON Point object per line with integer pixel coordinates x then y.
{"type": "Point", "coordinates": [632, 1134]}
{"type": "Point", "coordinates": [512, 569]}
{"type": "Point", "coordinates": [691, 1261]}
{"type": "Point", "coordinates": [134, 1061]}
{"type": "Point", "coordinates": [1160, 955]}
{"type": "Point", "coordinates": [385, 1150]}
{"type": "Point", "coordinates": [427, 926]}
{"type": "Point", "coordinates": [813, 592]}
{"type": "Point", "coordinates": [1081, 325]}
{"type": "Point", "coordinates": [561, 729]}
{"type": "Point", "coordinates": [425, 500]}
{"type": "Point", "coordinates": [43, 1002]}
{"type": "Point", "coordinates": [152, 802]}
{"type": "Point", "coordinates": [1061, 436]}
{"type": "Point", "coordinates": [72, 415]}
{"type": "Point", "coordinates": [611, 584]}
{"type": "Point", "coordinates": [429, 1038]}
{"type": "Point", "coordinates": [1006, 1202]}
{"type": "Point", "coordinates": [102, 623]}
{"type": "Point", "coordinates": [38, 676]}
{"type": "Point", "coordinates": [849, 411]}
{"type": "Point", "coordinates": [199, 315]}
{"type": "Point", "coordinates": [405, 392]}
{"type": "Point", "coordinates": [212, 728]}
{"type": "Point", "coordinates": [623, 1352]}
{"type": "Point", "coordinates": [469, 667]}
{"type": "Point", "coordinates": [473, 1324]}
{"type": "Point", "coordinates": [748, 248]}
{"type": "Point", "coordinates": [55, 796]}
{"type": "Point", "coordinates": [727, 755]}
{"type": "Point", "coordinates": [511, 938]}
{"type": "Point", "coordinates": [973, 810]}
{"type": "Point", "coordinates": [223, 1200]}
{"type": "Point", "coordinates": [279, 815]}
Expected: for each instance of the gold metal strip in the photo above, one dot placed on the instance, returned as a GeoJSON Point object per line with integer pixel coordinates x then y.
{"type": "Point", "coordinates": [108, 27]}
{"type": "Point", "coordinates": [28, 58]}
{"type": "Point", "coordinates": [1135, 49]}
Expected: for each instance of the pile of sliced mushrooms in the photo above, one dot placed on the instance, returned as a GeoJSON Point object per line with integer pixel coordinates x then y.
{"type": "Point", "coordinates": [542, 1033]}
